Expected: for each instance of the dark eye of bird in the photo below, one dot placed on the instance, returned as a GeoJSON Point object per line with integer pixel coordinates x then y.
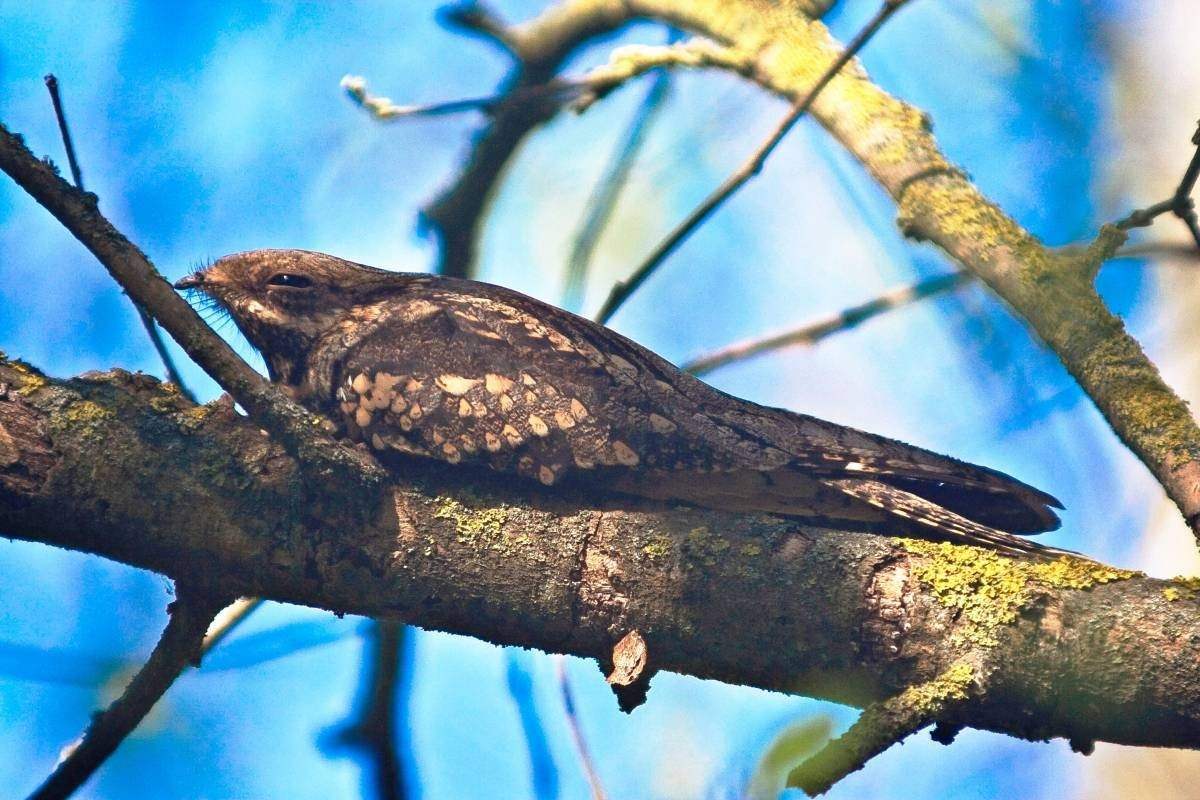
{"type": "Point", "coordinates": [291, 280]}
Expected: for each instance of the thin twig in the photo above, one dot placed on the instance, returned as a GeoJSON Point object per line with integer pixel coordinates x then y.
{"type": "Point", "coordinates": [818, 329]}
{"type": "Point", "coordinates": [178, 647]}
{"type": "Point", "coordinates": [581, 747]}
{"type": "Point", "coordinates": [1180, 203]}
{"type": "Point", "coordinates": [64, 130]}
{"type": "Point", "coordinates": [622, 290]}
{"type": "Point", "coordinates": [227, 619]}
{"type": "Point", "coordinates": [604, 198]}
{"type": "Point", "coordinates": [156, 339]}
{"type": "Point", "coordinates": [383, 109]}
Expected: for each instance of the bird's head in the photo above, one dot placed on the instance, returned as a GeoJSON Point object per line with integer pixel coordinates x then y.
{"type": "Point", "coordinates": [283, 300]}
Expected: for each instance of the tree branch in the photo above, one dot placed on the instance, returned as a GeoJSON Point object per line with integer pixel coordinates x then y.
{"type": "Point", "coordinates": [116, 464]}
{"type": "Point", "coordinates": [377, 732]}
{"type": "Point", "coordinates": [882, 725]}
{"type": "Point", "coordinates": [1180, 203]}
{"type": "Point", "coordinates": [815, 331]}
{"type": "Point", "coordinates": [179, 646]}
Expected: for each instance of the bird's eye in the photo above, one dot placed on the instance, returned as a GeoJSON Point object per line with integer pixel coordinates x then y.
{"type": "Point", "coordinates": [290, 280]}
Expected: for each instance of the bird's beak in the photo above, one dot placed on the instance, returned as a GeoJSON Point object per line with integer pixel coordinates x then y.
{"type": "Point", "coordinates": [193, 281]}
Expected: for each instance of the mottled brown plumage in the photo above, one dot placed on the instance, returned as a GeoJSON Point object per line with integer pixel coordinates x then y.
{"type": "Point", "coordinates": [470, 373]}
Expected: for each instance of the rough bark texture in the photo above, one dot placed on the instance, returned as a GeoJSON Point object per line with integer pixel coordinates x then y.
{"type": "Point", "coordinates": [123, 466]}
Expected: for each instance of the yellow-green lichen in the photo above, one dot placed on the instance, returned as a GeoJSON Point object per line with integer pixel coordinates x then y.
{"type": "Point", "coordinates": [85, 412]}
{"type": "Point", "coordinates": [751, 549]}
{"type": "Point", "coordinates": [656, 547]}
{"type": "Point", "coordinates": [988, 590]}
{"type": "Point", "coordinates": [31, 380]}
{"type": "Point", "coordinates": [927, 699]}
{"type": "Point", "coordinates": [1182, 588]}
{"type": "Point", "coordinates": [705, 547]}
{"type": "Point", "coordinates": [476, 524]}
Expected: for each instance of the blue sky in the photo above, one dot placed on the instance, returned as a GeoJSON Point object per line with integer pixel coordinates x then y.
{"type": "Point", "coordinates": [211, 128]}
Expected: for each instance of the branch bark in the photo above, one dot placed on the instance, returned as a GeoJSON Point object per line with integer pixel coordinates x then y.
{"type": "Point", "coordinates": [118, 464]}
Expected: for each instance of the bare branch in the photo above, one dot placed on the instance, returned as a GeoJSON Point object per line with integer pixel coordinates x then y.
{"type": "Point", "coordinates": [621, 292]}
{"type": "Point", "coordinates": [813, 332]}
{"type": "Point", "coordinates": [604, 197]}
{"type": "Point", "coordinates": [178, 647]}
{"type": "Point", "coordinates": [156, 339]}
{"type": "Point", "coordinates": [227, 619]}
{"type": "Point", "coordinates": [377, 732]}
{"type": "Point", "coordinates": [1180, 204]}
{"type": "Point", "coordinates": [543, 773]}
{"type": "Point", "coordinates": [64, 130]}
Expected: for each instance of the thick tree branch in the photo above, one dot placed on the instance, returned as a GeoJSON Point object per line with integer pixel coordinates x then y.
{"type": "Point", "coordinates": [117, 464]}
{"type": "Point", "coordinates": [179, 646]}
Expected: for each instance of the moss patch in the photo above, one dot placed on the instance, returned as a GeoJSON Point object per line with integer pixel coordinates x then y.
{"type": "Point", "coordinates": [989, 590]}
{"type": "Point", "coordinates": [479, 525]}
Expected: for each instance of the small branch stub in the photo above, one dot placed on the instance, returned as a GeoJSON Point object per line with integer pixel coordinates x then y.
{"type": "Point", "coordinates": [630, 678]}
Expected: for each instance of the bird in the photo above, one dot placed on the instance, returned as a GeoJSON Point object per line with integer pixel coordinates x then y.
{"type": "Point", "coordinates": [421, 366]}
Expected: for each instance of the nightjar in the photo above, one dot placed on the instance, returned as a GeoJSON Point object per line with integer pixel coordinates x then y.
{"type": "Point", "coordinates": [417, 365]}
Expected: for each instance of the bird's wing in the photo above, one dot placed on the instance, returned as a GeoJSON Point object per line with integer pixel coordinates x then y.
{"type": "Point", "coordinates": [493, 377]}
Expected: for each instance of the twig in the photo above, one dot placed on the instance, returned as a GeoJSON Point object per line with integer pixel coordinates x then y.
{"type": "Point", "coordinates": [581, 747]}
{"type": "Point", "coordinates": [77, 176]}
{"type": "Point", "coordinates": [178, 647]}
{"type": "Point", "coordinates": [384, 110]}
{"type": "Point", "coordinates": [543, 771]}
{"type": "Point", "coordinates": [883, 724]}
{"type": "Point", "coordinates": [625, 64]}
{"type": "Point", "coordinates": [300, 431]}
{"type": "Point", "coordinates": [622, 290]}
{"type": "Point", "coordinates": [378, 732]}
{"type": "Point", "coordinates": [604, 197]}
{"type": "Point", "coordinates": [815, 331]}
{"type": "Point", "coordinates": [64, 130]}
{"type": "Point", "coordinates": [1180, 203]}
{"type": "Point", "coordinates": [227, 619]}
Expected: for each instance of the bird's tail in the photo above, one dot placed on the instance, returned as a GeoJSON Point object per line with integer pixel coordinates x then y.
{"type": "Point", "coordinates": [939, 522]}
